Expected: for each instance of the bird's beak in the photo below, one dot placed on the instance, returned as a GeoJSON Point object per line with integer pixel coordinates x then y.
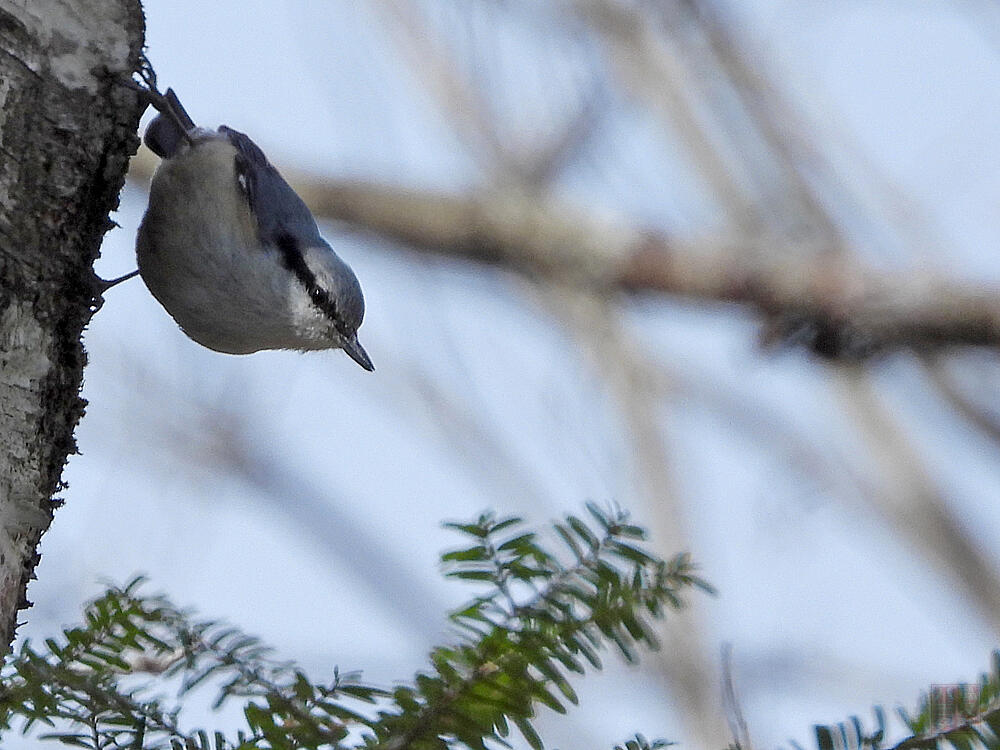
{"type": "Point", "coordinates": [357, 352]}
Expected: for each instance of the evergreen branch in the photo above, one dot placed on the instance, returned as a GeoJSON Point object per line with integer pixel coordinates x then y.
{"type": "Point", "coordinates": [540, 616]}
{"type": "Point", "coordinates": [962, 716]}
{"type": "Point", "coordinates": [79, 681]}
{"type": "Point", "coordinates": [512, 659]}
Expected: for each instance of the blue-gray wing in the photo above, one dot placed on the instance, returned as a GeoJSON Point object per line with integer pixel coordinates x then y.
{"type": "Point", "coordinates": [287, 225]}
{"type": "Point", "coordinates": [281, 214]}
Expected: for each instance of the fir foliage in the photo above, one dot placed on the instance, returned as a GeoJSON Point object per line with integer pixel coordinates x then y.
{"type": "Point", "coordinates": [960, 716]}
{"type": "Point", "coordinates": [541, 617]}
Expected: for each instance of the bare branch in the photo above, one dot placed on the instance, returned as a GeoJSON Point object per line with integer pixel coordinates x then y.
{"type": "Point", "coordinates": [832, 304]}
{"type": "Point", "coordinates": [541, 166]}
{"type": "Point", "coordinates": [908, 498]}
{"type": "Point", "coordinates": [769, 114]}
{"type": "Point", "coordinates": [460, 102]}
{"type": "Point", "coordinates": [653, 71]}
{"type": "Point", "coordinates": [631, 377]}
{"type": "Point", "coordinates": [985, 421]}
{"type": "Point", "coordinates": [828, 303]}
{"type": "Point", "coordinates": [731, 702]}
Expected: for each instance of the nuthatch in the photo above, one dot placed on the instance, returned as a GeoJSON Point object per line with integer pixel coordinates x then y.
{"type": "Point", "coordinates": [233, 253]}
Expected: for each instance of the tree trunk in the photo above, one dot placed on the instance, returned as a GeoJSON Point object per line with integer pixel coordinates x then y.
{"type": "Point", "coordinates": [66, 133]}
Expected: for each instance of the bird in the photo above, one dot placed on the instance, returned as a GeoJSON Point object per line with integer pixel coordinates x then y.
{"type": "Point", "coordinates": [231, 251]}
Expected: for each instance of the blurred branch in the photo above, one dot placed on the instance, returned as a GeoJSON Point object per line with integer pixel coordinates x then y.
{"type": "Point", "coordinates": [653, 71]}
{"type": "Point", "coordinates": [981, 418]}
{"type": "Point", "coordinates": [731, 702]}
{"type": "Point", "coordinates": [542, 166]}
{"type": "Point", "coordinates": [834, 306]}
{"type": "Point", "coordinates": [459, 102]}
{"type": "Point", "coordinates": [799, 447]}
{"type": "Point", "coordinates": [767, 112]}
{"type": "Point", "coordinates": [205, 430]}
{"type": "Point", "coordinates": [466, 107]}
{"type": "Point", "coordinates": [908, 498]}
{"type": "Point", "coordinates": [631, 376]}
{"type": "Point", "coordinates": [474, 436]}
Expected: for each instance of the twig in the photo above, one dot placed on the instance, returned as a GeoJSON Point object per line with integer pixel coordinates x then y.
{"type": "Point", "coordinates": [984, 421]}
{"type": "Point", "coordinates": [442, 79]}
{"type": "Point", "coordinates": [654, 72]}
{"type": "Point", "coordinates": [909, 500]}
{"type": "Point", "coordinates": [731, 702]}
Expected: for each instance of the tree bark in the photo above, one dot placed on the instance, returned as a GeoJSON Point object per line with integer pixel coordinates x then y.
{"type": "Point", "coordinates": [66, 133]}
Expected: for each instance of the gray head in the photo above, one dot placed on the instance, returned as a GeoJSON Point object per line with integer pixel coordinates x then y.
{"type": "Point", "coordinates": [332, 288]}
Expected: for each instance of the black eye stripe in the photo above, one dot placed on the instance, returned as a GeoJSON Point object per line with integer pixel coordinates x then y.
{"type": "Point", "coordinates": [294, 261]}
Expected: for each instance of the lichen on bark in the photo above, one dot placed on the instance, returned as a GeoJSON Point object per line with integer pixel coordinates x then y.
{"type": "Point", "coordinates": [66, 133]}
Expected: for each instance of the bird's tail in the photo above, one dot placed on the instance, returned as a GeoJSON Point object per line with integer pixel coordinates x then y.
{"type": "Point", "coordinates": [169, 128]}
